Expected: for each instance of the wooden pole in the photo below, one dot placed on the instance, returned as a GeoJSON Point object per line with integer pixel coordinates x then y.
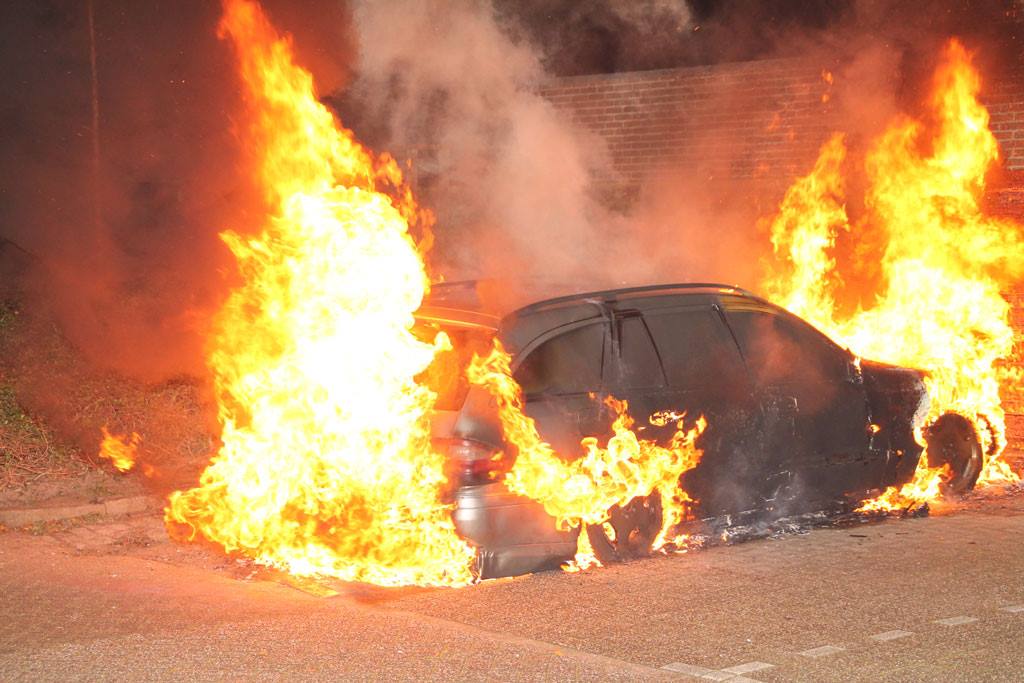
{"type": "Point", "coordinates": [96, 204]}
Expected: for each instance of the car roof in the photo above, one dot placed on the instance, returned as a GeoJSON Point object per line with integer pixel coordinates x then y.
{"type": "Point", "coordinates": [461, 304]}
{"type": "Point", "coordinates": [519, 328]}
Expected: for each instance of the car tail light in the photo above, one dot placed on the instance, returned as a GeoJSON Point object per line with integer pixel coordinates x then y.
{"type": "Point", "coordinates": [473, 462]}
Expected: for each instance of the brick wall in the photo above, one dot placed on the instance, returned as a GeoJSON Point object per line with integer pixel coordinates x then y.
{"type": "Point", "coordinates": [761, 123]}
{"type": "Point", "coordinates": [1004, 98]}
{"type": "Point", "coordinates": [748, 120]}
{"type": "Point", "coordinates": [1005, 102]}
{"type": "Point", "coordinates": [739, 121]}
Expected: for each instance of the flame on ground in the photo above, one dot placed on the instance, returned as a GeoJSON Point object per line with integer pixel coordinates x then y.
{"type": "Point", "coordinates": [326, 466]}
{"type": "Point", "coordinates": [925, 486]}
{"type": "Point", "coordinates": [584, 491]}
{"type": "Point", "coordinates": [944, 266]}
{"type": "Point", "coordinates": [121, 451]}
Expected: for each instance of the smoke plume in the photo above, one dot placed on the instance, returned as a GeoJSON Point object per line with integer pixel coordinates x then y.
{"type": "Point", "coordinates": [447, 86]}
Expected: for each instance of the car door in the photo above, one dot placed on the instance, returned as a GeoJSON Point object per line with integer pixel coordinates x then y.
{"type": "Point", "coordinates": [705, 376]}
{"type": "Point", "coordinates": [561, 376]}
{"type": "Point", "coordinates": [816, 384]}
{"type": "Point", "coordinates": [632, 373]}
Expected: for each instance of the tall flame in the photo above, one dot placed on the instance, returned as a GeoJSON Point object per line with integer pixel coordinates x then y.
{"type": "Point", "coordinates": [326, 465]}
{"type": "Point", "coordinates": [944, 266]}
{"type": "Point", "coordinates": [584, 491]}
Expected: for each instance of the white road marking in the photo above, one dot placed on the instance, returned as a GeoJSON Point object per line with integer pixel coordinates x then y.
{"type": "Point", "coordinates": [749, 667]}
{"type": "Point", "coordinates": [891, 635]}
{"type": "Point", "coordinates": [689, 669]}
{"type": "Point", "coordinates": [732, 674]}
{"type": "Point", "coordinates": [821, 651]}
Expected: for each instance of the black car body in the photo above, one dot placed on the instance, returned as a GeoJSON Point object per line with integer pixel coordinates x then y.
{"type": "Point", "coordinates": [794, 421]}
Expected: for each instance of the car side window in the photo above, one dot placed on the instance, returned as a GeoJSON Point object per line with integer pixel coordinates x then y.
{"type": "Point", "coordinates": [696, 349]}
{"type": "Point", "coordinates": [778, 350]}
{"type": "Point", "coordinates": [632, 363]}
{"type": "Point", "coordinates": [569, 363]}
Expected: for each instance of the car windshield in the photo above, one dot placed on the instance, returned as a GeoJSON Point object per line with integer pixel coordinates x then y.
{"type": "Point", "coordinates": [446, 375]}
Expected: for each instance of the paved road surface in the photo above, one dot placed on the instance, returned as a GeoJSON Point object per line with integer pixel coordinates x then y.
{"type": "Point", "coordinates": [935, 599]}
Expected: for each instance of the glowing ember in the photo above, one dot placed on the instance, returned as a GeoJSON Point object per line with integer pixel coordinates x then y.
{"type": "Point", "coordinates": [939, 305]}
{"type": "Point", "coordinates": [583, 491]}
{"type": "Point", "coordinates": [119, 450]}
{"type": "Point", "coordinates": [326, 465]}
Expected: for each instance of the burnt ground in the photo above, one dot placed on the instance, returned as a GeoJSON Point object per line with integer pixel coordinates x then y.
{"type": "Point", "coordinates": [919, 599]}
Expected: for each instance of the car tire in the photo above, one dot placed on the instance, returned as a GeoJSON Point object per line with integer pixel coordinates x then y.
{"type": "Point", "coordinates": [635, 526]}
{"type": "Point", "coordinates": [953, 440]}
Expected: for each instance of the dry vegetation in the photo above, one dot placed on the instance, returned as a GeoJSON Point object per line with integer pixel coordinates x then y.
{"type": "Point", "coordinates": [53, 403]}
{"type": "Point", "coordinates": [28, 449]}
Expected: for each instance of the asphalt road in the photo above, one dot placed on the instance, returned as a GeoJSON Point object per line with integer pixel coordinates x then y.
{"type": "Point", "coordinates": [933, 599]}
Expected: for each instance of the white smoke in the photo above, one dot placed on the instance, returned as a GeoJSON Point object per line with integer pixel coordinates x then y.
{"type": "Point", "coordinates": [507, 173]}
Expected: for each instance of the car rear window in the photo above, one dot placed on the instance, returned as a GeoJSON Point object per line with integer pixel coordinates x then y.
{"type": "Point", "coordinates": [567, 364]}
{"type": "Point", "coordinates": [446, 375]}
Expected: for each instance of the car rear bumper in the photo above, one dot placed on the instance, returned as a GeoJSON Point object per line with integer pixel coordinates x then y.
{"type": "Point", "coordinates": [514, 534]}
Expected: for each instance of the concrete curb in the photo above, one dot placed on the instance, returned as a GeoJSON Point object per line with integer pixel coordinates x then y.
{"type": "Point", "coordinates": [117, 506]}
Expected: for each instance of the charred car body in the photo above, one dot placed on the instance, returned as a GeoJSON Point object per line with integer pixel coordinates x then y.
{"type": "Point", "coordinates": [794, 422]}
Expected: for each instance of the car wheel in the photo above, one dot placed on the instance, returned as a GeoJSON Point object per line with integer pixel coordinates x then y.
{"type": "Point", "coordinates": [952, 440]}
{"type": "Point", "coordinates": [629, 532]}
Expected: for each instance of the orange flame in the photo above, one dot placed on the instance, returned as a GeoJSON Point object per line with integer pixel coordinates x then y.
{"type": "Point", "coordinates": [326, 465]}
{"type": "Point", "coordinates": [585, 490]}
{"type": "Point", "coordinates": [944, 265]}
{"type": "Point", "coordinates": [925, 486]}
{"type": "Point", "coordinates": [121, 451]}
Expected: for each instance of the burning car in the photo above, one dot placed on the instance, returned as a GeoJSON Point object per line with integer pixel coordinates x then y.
{"type": "Point", "coordinates": [328, 402]}
{"type": "Point", "coordinates": [794, 422]}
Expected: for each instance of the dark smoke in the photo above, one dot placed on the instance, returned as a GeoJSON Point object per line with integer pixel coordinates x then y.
{"type": "Point", "coordinates": [603, 36]}
{"type": "Point", "coordinates": [132, 288]}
